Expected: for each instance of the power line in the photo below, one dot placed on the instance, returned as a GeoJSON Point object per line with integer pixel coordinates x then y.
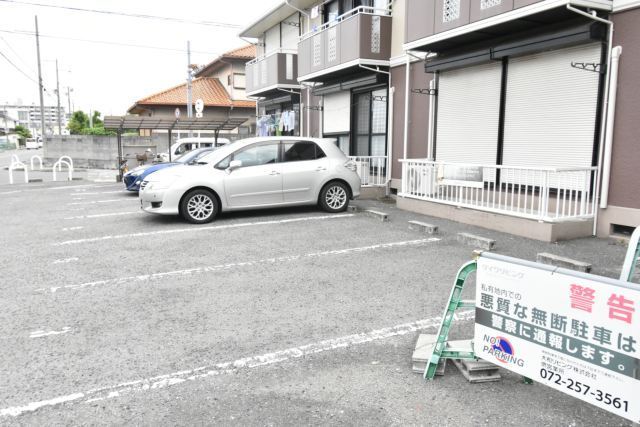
{"type": "Point", "coordinates": [31, 33]}
{"type": "Point", "coordinates": [17, 68]}
{"type": "Point", "coordinates": [130, 15]}
{"type": "Point", "coordinates": [17, 55]}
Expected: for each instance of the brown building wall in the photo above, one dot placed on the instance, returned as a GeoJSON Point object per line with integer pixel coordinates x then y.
{"type": "Point", "coordinates": [418, 115]}
{"type": "Point", "coordinates": [624, 188]}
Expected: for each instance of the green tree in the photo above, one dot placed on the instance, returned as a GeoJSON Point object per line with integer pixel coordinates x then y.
{"type": "Point", "coordinates": [78, 122]}
{"type": "Point", "coordinates": [23, 132]}
{"type": "Point", "coordinates": [97, 121]}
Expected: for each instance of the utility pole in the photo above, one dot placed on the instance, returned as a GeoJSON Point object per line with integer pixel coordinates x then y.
{"type": "Point", "coordinates": [40, 85]}
{"type": "Point", "coordinates": [58, 94]}
{"type": "Point", "coordinates": [189, 95]}
{"type": "Point", "coordinates": [69, 100]}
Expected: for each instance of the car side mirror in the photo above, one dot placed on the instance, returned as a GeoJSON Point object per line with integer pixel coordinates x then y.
{"type": "Point", "coordinates": [234, 164]}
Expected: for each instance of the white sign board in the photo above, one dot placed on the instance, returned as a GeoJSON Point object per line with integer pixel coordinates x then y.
{"type": "Point", "coordinates": [177, 113]}
{"type": "Point", "coordinates": [577, 333]}
{"type": "Point", "coordinates": [199, 105]}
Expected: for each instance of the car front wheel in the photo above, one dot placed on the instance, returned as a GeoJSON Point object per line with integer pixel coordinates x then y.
{"type": "Point", "coordinates": [199, 207]}
{"type": "Point", "coordinates": [334, 197]}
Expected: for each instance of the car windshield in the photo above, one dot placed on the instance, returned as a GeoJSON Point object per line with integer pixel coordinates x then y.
{"type": "Point", "coordinates": [194, 156]}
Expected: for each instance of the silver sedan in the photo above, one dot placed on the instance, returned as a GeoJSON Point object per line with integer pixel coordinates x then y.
{"type": "Point", "coordinates": [255, 173]}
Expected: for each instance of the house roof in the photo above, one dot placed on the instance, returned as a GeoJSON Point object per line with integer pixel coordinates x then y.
{"type": "Point", "coordinates": [209, 89]}
{"type": "Point", "coordinates": [274, 16]}
{"type": "Point", "coordinates": [244, 53]}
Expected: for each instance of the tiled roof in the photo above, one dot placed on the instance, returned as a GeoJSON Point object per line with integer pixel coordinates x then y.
{"type": "Point", "coordinates": [209, 89]}
{"type": "Point", "coordinates": [245, 52]}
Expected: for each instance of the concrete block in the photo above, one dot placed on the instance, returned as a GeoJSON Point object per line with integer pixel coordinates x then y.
{"type": "Point", "coordinates": [35, 179]}
{"type": "Point", "coordinates": [377, 214]}
{"type": "Point", "coordinates": [477, 376]}
{"type": "Point", "coordinates": [559, 261]}
{"type": "Point", "coordinates": [422, 353]}
{"type": "Point", "coordinates": [423, 227]}
{"type": "Point", "coordinates": [477, 241]}
{"type": "Point", "coordinates": [76, 178]}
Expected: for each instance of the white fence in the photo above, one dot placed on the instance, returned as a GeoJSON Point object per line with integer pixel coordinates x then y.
{"type": "Point", "coordinates": [546, 194]}
{"type": "Point", "coordinates": [372, 170]}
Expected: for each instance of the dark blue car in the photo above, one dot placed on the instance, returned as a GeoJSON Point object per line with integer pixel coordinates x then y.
{"type": "Point", "coordinates": [134, 177]}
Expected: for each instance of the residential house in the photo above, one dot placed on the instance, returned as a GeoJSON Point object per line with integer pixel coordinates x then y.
{"type": "Point", "coordinates": [515, 115]}
{"type": "Point", "coordinates": [220, 86]}
{"type": "Point", "coordinates": [521, 127]}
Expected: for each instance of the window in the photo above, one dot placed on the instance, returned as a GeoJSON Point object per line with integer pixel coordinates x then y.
{"type": "Point", "coordinates": [301, 151]}
{"type": "Point", "coordinates": [257, 155]}
{"type": "Point", "coordinates": [239, 81]}
{"type": "Point", "coordinates": [370, 129]}
{"type": "Point", "coordinates": [332, 11]}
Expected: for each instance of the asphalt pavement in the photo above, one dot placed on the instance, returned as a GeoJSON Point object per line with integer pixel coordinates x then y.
{"type": "Point", "coordinates": [279, 317]}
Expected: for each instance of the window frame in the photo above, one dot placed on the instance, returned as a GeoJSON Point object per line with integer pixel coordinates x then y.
{"type": "Point", "coordinates": [232, 156]}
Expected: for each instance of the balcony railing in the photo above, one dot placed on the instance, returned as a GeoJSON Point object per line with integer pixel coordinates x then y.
{"type": "Point", "coordinates": [372, 170]}
{"type": "Point", "coordinates": [544, 194]}
{"type": "Point", "coordinates": [275, 69]}
{"type": "Point", "coordinates": [362, 35]}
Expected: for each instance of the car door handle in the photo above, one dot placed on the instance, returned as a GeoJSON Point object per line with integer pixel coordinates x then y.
{"type": "Point", "coordinates": [320, 169]}
{"type": "Point", "coordinates": [274, 173]}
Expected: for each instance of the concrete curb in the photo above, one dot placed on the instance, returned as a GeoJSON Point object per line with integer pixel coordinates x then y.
{"type": "Point", "coordinates": [377, 215]}
{"type": "Point", "coordinates": [477, 241]}
{"type": "Point", "coordinates": [423, 227]}
{"type": "Point", "coordinates": [559, 261]}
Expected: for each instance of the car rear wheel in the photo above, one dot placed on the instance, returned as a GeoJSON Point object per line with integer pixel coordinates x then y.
{"type": "Point", "coordinates": [334, 197]}
{"type": "Point", "coordinates": [199, 207]}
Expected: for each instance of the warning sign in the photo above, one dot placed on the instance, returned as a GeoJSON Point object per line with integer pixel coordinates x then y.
{"type": "Point", "coordinates": [577, 333]}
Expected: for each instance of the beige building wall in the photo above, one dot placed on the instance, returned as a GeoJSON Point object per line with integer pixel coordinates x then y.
{"type": "Point", "coordinates": [397, 28]}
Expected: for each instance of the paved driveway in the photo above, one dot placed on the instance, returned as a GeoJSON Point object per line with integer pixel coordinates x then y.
{"type": "Point", "coordinates": [111, 316]}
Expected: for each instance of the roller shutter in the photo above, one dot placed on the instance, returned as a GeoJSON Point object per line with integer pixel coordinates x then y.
{"type": "Point", "coordinates": [551, 109]}
{"type": "Point", "coordinates": [337, 112]}
{"type": "Point", "coordinates": [468, 114]}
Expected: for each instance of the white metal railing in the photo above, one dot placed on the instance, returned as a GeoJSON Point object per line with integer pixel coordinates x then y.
{"type": "Point", "coordinates": [369, 10]}
{"type": "Point", "coordinates": [271, 53]}
{"type": "Point", "coordinates": [39, 159]}
{"type": "Point", "coordinates": [371, 169]}
{"type": "Point", "coordinates": [547, 194]}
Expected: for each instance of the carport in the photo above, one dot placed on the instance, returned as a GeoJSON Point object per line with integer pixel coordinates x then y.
{"type": "Point", "coordinates": [120, 124]}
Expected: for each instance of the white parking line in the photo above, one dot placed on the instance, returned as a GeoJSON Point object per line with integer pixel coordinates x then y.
{"type": "Point", "coordinates": [99, 201]}
{"type": "Point", "coordinates": [252, 362]}
{"type": "Point", "coordinates": [209, 269]}
{"type": "Point", "coordinates": [11, 192]}
{"type": "Point", "coordinates": [80, 227]}
{"type": "Point", "coordinates": [200, 229]}
{"type": "Point", "coordinates": [104, 215]}
{"type": "Point", "coordinates": [99, 192]}
{"type": "Point", "coordinates": [65, 260]}
{"type": "Point", "coordinates": [41, 334]}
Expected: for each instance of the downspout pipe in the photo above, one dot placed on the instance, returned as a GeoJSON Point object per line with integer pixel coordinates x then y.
{"type": "Point", "coordinates": [392, 91]}
{"type": "Point", "coordinates": [405, 137]}
{"type": "Point", "coordinates": [605, 106]}
{"type": "Point", "coordinates": [611, 113]}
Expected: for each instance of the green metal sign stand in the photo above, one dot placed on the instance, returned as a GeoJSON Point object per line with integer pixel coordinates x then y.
{"type": "Point", "coordinates": [440, 350]}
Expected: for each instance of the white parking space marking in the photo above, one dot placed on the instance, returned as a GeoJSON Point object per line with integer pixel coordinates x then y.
{"type": "Point", "coordinates": [80, 227]}
{"type": "Point", "coordinates": [252, 362]}
{"type": "Point", "coordinates": [12, 192]}
{"type": "Point", "coordinates": [104, 215]}
{"type": "Point", "coordinates": [93, 202]}
{"type": "Point", "coordinates": [200, 229]}
{"type": "Point", "coordinates": [65, 260]}
{"type": "Point", "coordinates": [210, 269]}
{"type": "Point", "coordinates": [41, 334]}
{"type": "Point", "coordinates": [100, 192]}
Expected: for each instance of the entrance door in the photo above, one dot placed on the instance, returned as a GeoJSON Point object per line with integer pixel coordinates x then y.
{"type": "Point", "coordinates": [370, 123]}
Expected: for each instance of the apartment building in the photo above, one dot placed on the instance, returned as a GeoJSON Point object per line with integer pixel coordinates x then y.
{"type": "Point", "coordinates": [516, 115]}
{"type": "Point", "coordinates": [29, 117]}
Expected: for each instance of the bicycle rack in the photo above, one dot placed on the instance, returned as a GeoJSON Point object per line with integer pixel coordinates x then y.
{"type": "Point", "coordinates": [58, 165]}
{"type": "Point", "coordinates": [17, 165]}
{"type": "Point", "coordinates": [39, 161]}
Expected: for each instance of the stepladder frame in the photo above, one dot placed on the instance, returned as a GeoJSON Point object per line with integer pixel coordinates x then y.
{"type": "Point", "coordinates": [455, 302]}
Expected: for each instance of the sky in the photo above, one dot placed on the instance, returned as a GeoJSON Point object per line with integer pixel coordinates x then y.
{"type": "Point", "coordinates": [105, 77]}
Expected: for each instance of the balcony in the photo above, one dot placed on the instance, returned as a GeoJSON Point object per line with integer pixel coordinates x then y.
{"type": "Point", "coordinates": [438, 25]}
{"type": "Point", "coordinates": [361, 36]}
{"type": "Point", "coordinates": [277, 70]}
